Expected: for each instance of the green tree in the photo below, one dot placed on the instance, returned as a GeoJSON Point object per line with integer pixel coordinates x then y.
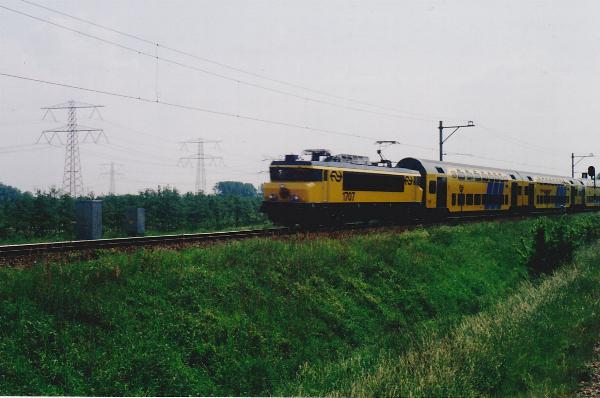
{"type": "Point", "coordinates": [235, 188]}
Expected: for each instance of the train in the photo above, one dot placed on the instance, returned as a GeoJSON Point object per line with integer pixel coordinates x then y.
{"type": "Point", "coordinates": [317, 188]}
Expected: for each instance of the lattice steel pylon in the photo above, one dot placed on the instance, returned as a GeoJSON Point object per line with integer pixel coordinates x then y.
{"type": "Point", "coordinates": [112, 173]}
{"type": "Point", "coordinates": [200, 157]}
{"type": "Point", "coordinates": [72, 179]}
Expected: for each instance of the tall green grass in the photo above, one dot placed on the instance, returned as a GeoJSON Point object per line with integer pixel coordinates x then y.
{"type": "Point", "coordinates": [256, 317]}
{"type": "Point", "coordinates": [532, 344]}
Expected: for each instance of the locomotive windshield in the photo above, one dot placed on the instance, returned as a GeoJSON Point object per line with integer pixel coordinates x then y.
{"type": "Point", "coordinates": [295, 174]}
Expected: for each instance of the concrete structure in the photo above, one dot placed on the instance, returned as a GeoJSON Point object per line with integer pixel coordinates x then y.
{"type": "Point", "coordinates": [88, 219]}
{"type": "Point", "coordinates": [135, 221]}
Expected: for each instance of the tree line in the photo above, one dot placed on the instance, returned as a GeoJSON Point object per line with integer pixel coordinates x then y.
{"type": "Point", "coordinates": [26, 215]}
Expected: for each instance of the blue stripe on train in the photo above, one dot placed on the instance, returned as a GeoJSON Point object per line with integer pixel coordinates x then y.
{"type": "Point", "coordinates": [496, 192]}
{"type": "Point", "coordinates": [488, 192]}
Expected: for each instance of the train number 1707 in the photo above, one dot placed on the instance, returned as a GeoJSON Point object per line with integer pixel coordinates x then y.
{"type": "Point", "coordinates": [349, 196]}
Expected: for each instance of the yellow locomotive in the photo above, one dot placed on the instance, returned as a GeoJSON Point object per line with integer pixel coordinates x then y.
{"type": "Point", "coordinates": [338, 189]}
{"type": "Point", "coordinates": [327, 189]}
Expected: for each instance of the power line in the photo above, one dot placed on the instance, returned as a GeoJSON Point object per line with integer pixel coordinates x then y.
{"type": "Point", "coordinates": [506, 161]}
{"type": "Point", "coordinates": [190, 107]}
{"type": "Point", "coordinates": [238, 81]}
{"type": "Point", "coordinates": [416, 116]}
{"type": "Point", "coordinates": [525, 144]}
{"type": "Point", "coordinates": [31, 149]}
{"type": "Point", "coordinates": [218, 75]}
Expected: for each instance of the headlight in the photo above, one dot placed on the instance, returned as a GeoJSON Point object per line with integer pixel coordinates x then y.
{"type": "Point", "coordinates": [296, 198]}
{"type": "Point", "coordinates": [272, 197]}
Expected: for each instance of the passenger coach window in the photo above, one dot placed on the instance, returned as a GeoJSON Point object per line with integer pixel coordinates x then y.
{"type": "Point", "coordinates": [453, 199]}
{"type": "Point", "coordinates": [477, 199]}
{"type": "Point", "coordinates": [469, 199]}
{"type": "Point", "coordinates": [295, 174]}
{"type": "Point", "coordinates": [432, 187]}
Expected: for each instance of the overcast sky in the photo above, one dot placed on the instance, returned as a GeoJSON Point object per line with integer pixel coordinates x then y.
{"type": "Point", "coordinates": [526, 72]}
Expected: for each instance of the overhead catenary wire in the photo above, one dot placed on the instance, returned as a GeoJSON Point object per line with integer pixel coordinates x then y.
{"type": "Point", "coordinates": [230, 67]}
{"type": "Point", "coordinates": [502, 135]}
{"type": "Point", "coordinates": [157, 58]}
{"type": "Point", "coordinates": [238, 81]}
{"type": "Point", "coordinates": [198, 109]}
{"type": "Point", "coordinates": [128, 150]}
{"type": "Point", "coordinates": [505, 161]}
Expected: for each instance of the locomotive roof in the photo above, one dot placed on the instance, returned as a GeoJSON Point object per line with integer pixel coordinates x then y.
{"type": "Point", "coordinates": [430, 166]}
{"type": "Point", "coordinates": [345, 165]}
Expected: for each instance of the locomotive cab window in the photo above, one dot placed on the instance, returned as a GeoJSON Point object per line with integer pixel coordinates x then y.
{"type": "Point", "coordinates": [295, 174]}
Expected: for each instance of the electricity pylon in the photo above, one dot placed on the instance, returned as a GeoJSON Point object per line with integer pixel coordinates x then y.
{"type": "Point", "coordinates": [200, 157]}
{"type": "Point", "coordinates": [112, 173]}
{"type": "Point", "coordinates": [72, 180]}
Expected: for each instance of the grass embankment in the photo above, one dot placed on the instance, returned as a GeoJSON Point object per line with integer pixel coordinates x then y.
{"type": "Point", "coordinates": [532, 344]}
{"type": "Point", "coordinates": [261, 316]}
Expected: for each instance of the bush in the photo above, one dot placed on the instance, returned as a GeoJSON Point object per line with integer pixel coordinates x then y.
{"type": "Point", "coordinates": [554, 241]}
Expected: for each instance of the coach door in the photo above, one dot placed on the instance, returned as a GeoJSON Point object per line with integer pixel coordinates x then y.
{"type": "Point", "coordinates": [514, 194]}
{"type": "Point", "coordinates": [442, 192]}
{"type": "Point", "coordinates": [573, 195]}
{"type": "Point", "coordinates": [531, 192]}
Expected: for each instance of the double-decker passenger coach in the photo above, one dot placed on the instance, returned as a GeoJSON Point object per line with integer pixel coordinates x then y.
{"type": "Point", "coordinates": [326, 189]}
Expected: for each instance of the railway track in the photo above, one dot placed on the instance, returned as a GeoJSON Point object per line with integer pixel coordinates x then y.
{"type": "Point", "coordinates": [35, 249]}
{"type": "Point", "coordinates": [140, 241]}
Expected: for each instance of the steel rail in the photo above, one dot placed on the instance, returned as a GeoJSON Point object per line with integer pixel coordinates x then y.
{"type": "Point", "coordinates": [81, 245]}
{"type": "Point", "coordinates": [18, 250]}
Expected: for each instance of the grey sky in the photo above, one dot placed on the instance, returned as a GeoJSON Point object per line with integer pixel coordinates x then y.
{"type": "Point", "coordinates": [526, 72]}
